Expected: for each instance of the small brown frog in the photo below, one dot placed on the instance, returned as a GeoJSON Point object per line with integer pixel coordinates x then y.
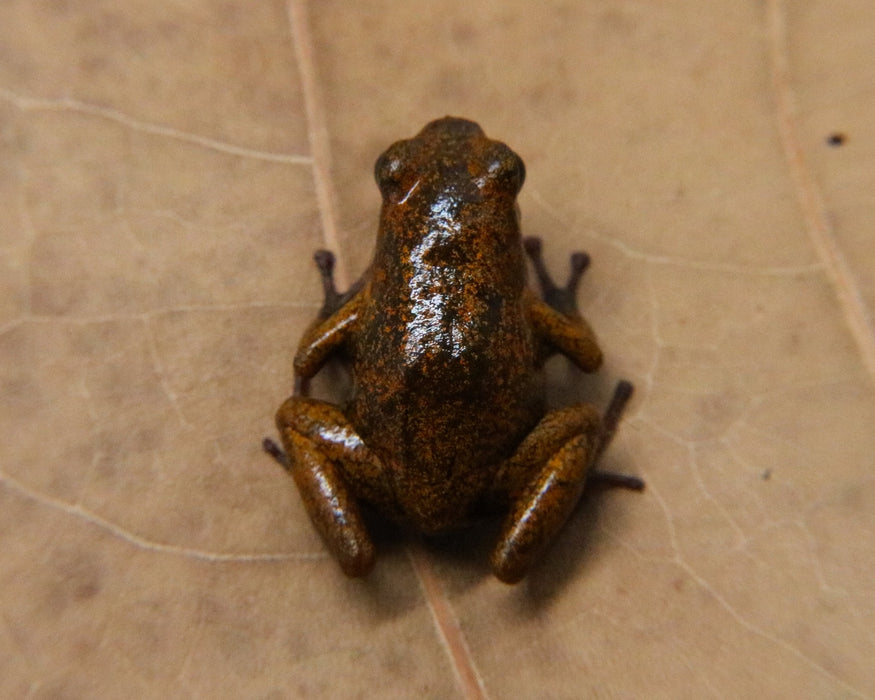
{"type": "Point", "coordinates": [446, 345]}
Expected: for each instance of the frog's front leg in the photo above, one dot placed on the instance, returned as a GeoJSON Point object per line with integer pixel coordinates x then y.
{"type": "Point", "coordinates": [332, 469]}
{"type": "Point", "coordinates": [332, 300]}
{"type": "Point", "coordinates": [556, 320]}
{"type": "Point", "coordinates": [544, 479]}
{"type": "Point", "coordinates": [563, 299]}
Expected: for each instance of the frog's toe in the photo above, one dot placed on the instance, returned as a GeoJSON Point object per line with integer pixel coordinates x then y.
{"type": "Point", "coordinates": [579, 262]}
{"type": "Point", "coordinates": [331, 300]}
{"type": "Point", "coordinates": [325, 262]}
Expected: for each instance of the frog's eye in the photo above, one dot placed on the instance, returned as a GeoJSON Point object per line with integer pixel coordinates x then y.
{"type": "Point", "coordinates": [387, 169]}
{"type": "Point", "coordinates": [519, 172]}
{"type": "Point", "coordinates": [506, 169]}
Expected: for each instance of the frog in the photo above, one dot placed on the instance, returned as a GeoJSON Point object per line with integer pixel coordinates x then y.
{"type": "Point", "coordinates": [447, 420]}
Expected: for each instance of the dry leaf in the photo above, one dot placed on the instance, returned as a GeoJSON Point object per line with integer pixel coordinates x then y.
{"type": "Point", "coordinates": [167, 170]}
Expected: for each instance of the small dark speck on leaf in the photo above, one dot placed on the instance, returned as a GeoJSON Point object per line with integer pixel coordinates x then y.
{"type": "Point", "coordinates": [767, 474]}
{"type": "Point", "coordinates": [836, 139]}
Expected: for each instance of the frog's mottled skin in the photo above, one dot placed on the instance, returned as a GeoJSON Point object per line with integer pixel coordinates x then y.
{"type": "Point", "coordinates": [446, 345]}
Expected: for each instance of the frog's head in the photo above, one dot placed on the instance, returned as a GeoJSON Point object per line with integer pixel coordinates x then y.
{"type": "Point", "coordinates": [450, 158]}
{"type": "Point", "coordinates": [449, 202]}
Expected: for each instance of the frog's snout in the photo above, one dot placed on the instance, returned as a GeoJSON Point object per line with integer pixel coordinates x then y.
{"type": "Point", "coordinates": [453, 126]}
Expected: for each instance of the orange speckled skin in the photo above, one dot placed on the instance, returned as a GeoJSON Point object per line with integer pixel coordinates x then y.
{"type": "Point", "coordinates": [446, 345]}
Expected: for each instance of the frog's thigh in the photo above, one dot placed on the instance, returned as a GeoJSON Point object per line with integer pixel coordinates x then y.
{"type": "Point", "coordinates": [331, 467]}
{"type": "Point", "coordinates": [543, 481]}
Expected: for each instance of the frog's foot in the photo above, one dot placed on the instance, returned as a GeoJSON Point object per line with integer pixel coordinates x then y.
{"type": "Point", "coordinates": [331, 466]}
{"type": "Point", "coordinates": [332, 300]}
{"type": "Point", "coordinates": [563, 299]}
{"type": "Point", "coordinates": [610, 421]}
{"type": "Point", "coordinates": [544, 480]}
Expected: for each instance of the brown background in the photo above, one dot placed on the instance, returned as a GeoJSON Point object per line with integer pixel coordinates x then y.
{"type": "Point", "coordinates": [166, 170]}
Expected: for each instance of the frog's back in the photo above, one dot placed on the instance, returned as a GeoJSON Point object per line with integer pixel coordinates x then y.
{"type": "Point", "coordinates": [446, 375]}
{"type": "Point", "coordinates": [446, 387]}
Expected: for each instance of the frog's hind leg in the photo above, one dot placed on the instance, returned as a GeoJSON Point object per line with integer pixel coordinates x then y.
{"type": "Point", "coordinates": [544, 479]}
{"type": "Point", "coordinates": [331, 467]}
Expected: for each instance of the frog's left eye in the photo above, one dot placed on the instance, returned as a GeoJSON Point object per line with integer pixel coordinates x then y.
{"type": "Point", "coordinates": [506, 169]}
